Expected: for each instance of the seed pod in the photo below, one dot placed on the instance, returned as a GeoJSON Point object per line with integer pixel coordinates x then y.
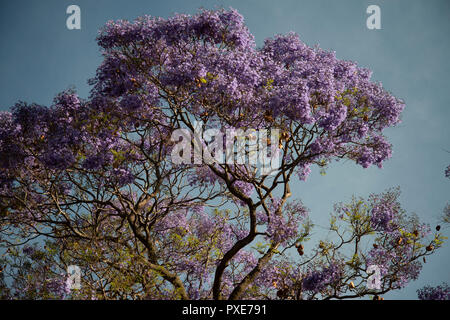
{"type": "Point", "coordinates": [300, 251]}
{"type": "Point", "coordinates": [285, 135]}
{"type": "Point", "coordinates": [400, 240]}
{"type": "Point", "coordinates": [429, 248]}
{"type": "Point", "coordinates": [282, 293]}
{"type": "Point", "coordinates": [268, 116]}
{"type": "Point", "coordinates": [375, 246]}
{"type": "Point", "coordinates": [416, 233]}
{"type": "Point", "coordinates": [438, 227]}
{"type": "Point", "coordinates": [365, 118]}
{"type": "Point", "coordinates": [351, 285]}
{"type": "Point", "coordinates": [424, 260]}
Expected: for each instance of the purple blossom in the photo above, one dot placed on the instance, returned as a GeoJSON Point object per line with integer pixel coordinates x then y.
{"type": "Point", "coordinates": [94, 161]}
{"type": "Point", "coordinates": [131, 103]}
{"type": "Point", "coordinates": [395, 262]}
{"type": "Point", "coordinates": [440, 292]}
{"type": "Point", "coordinates": [285, 225]}
{"type": "Point", "coordinates": [304, 171]}
{"type": "Point", "coordinates": [245, 187]}
{"type": "Point", "coordinates": [385, 211]}
{"type": "Point", "coordinates": [123, 176]}
{"type": "Point", "coordinates": [28, 250]}
{"type": "Point", "coordinates": [318, 280]}
{"type": "Point", "coordinates": [59, 287]}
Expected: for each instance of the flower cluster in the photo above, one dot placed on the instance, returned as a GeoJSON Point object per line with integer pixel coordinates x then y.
{"type": "Point", "coordinates": [318, 280]}
{"type": "Point", "coordinates": [384, 214]}
{"type": "Point", "coordinates": [284, 225]}
{"type": "Point", "coordinates": [59, 287]}
{"type": "Point", "coordinates": [441, 292]}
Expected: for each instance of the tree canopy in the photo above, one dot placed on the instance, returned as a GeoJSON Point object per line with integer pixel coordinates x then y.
{"type": "Point", "coordinates": [91, 182]}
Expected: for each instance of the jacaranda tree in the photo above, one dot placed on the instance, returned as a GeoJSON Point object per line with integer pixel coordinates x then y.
{"type": "Point", "coordinates": [92, 182]}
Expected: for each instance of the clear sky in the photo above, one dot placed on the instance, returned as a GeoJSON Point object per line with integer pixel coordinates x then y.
{"type": "Point", "coordinates": [39, 57]}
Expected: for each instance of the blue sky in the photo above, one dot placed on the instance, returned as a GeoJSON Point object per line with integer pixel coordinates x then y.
{"type": "Point", "coordinates": [39, 57]}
